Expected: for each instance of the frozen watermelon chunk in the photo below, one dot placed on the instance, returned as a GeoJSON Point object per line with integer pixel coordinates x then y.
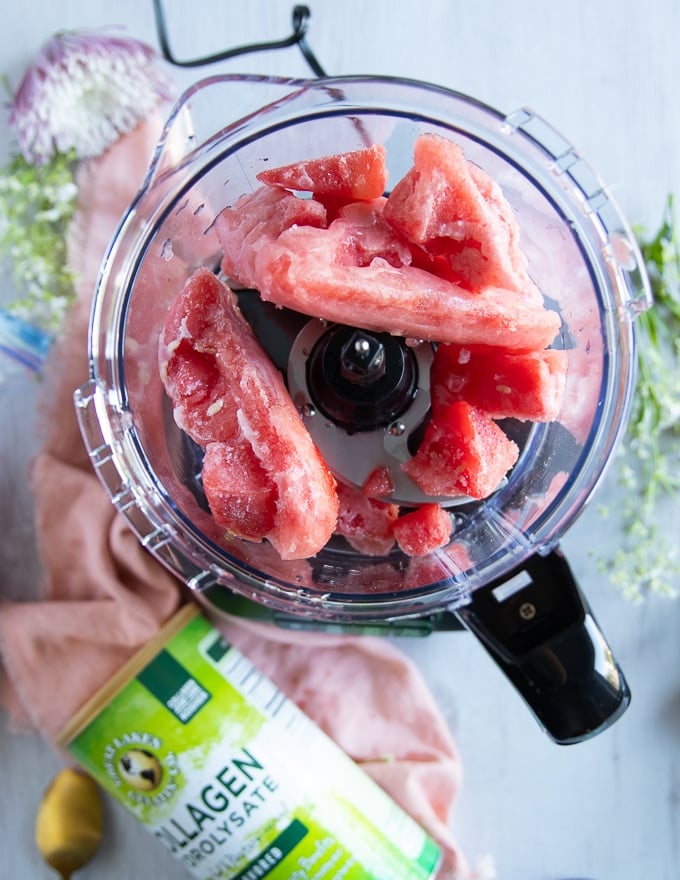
{"type": "Point", "coordinates": [356, 271]}
{"type": "Point", "coordinates": [506, 384]}
{"type": "Point", "coordinates": [241, 496]}
{"type": "Point", "coordinates": [310, 270]}
{"type": "Point", "coordinates": [452, 209]}
{"type": "Point", "coordinates": [365, 522]}
{"type": "Point", "coordinates": [360, 174]}
{"type": "Point", "coordinates": [463, 452]}
{"type": "Point", "coordinates": [423, 530]}
{"type": "Point", "coordinates": [379, 483]}
{"type": "Point", "coordinates": [196, 382]}
{"type": "Point", "coordinates": [256, 220]}
{"type": "Point", "coordinates": [248, 396]}
{"type": "Point", "coordinates": [251, 229]}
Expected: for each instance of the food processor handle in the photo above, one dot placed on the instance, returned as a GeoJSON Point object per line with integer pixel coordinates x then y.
{"type": "Point", "coordinates": [540, 630]}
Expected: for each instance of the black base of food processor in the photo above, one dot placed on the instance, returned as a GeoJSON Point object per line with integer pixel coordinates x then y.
{"type": "Point", "coordinates": [537, 626]}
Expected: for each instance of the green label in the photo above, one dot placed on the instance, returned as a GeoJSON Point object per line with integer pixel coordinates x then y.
{"type": "Point", "coordinates": [217, 649]}
{"type": "Point", "coordinates": [170, 683]}
{"type": "Point", "coordinates": [236, 782]}
{"type": "Point", "coordinates": [272, 856]}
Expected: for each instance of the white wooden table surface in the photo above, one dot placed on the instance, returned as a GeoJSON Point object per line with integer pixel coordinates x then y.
{"type": "Point", "coordinates": [605, 73]}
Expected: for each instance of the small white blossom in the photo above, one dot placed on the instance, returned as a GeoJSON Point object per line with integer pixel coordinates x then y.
{"type": "Point", "coordinates": [83, 91]}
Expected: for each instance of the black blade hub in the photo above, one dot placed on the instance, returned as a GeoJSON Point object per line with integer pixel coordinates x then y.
{"type": "Point", "coordinates": [361, 380]}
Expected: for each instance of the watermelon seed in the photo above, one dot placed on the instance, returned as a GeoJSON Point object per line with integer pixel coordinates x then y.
{"type": "Point", "coordinates": [397, 429]}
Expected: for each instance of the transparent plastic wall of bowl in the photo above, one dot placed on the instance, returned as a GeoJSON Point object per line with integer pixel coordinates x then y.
{"type": "Point", "coordinates": [581, 254]}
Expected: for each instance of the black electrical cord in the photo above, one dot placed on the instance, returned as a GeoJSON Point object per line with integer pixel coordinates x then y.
{"type": "Point", "coordinates": [300, 19]}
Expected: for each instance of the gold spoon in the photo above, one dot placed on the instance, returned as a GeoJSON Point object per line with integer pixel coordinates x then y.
{"type": "Point", "coordinates": [68, 826]}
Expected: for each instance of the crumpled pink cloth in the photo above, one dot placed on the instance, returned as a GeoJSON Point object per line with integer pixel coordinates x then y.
{"type": "Point", "coordinates": [103, 596]}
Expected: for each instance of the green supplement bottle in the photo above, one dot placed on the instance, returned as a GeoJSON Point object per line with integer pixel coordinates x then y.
{"type": "Point", "coordinates": [231, 776]}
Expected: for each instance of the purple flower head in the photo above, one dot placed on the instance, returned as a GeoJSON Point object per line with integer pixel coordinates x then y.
{"type": "Point", "coordinates": [83, 91]}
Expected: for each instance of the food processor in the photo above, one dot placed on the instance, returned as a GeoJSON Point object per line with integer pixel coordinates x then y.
{"type": "Point", "coordinates": [502, 576]}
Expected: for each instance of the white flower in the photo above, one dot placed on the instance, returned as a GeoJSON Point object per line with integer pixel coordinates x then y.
{"type": "Point", "coordinates": [83, 91]}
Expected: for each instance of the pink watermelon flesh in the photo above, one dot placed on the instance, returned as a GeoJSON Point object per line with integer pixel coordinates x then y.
{"type": "Point", "coordinates": [365, 522]}
{"type": "Point", "coordinates": [332, 204]}
{"type": "Point", "coordinates": [360, 174]}
{"type": "Point", "coordinates": [362, 235]}
{"type": "Point", "coordinates": [200, 388]}
{"type": "Point", "coordinates": [526, 385]}
{"type": "Point", "coordinates": [356, 272]}
{"type": "Point", "coordinates": [422, 530]}
{"type": "Point", "coordinates": [440, 260]}
{"type": "Point", "coordinates": [450, 207]}
{"type": "Point", "coordinates": [250, 397]}
{"type": "Point", "coordinates": [256, 220]}
{"type": "Point", "coordinates": [378, 483]}
{"type": "Point", "coordinates": [463, 452]}
{"type": "Point", "coordinates": [307, 270]}
{"type": "Point", "coordinates": [241, 496]}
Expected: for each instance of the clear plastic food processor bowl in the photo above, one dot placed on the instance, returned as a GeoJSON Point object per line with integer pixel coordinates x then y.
{"type": "Point", "coordinates": [581, 254]}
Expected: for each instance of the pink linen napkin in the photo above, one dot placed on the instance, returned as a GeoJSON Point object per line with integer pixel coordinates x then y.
{"type": "Point", "coordinates": [103, 596]}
